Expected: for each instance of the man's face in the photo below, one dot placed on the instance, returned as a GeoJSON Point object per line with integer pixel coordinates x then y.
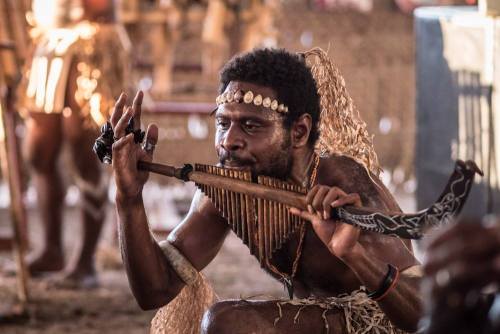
{"type": "Point", "coordinates": [252, 137]}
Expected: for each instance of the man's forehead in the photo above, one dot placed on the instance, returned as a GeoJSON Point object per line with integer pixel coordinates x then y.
{"type": "Point", "coordinates": [256, 89]}
{"type": "Point", "coordinates": [247, 111]}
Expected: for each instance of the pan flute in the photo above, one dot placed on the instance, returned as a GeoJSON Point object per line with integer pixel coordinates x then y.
{"type": "Point", "coordinates": [264, 225]}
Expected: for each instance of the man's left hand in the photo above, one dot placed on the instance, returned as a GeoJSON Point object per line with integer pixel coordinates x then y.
{"type": "Point", "coordinates": [340, 238]}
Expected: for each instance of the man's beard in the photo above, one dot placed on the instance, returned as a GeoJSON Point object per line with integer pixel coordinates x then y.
{"type": "Point", "coordinates": [280, 163]}
{"type": "Point", "coordinates": [277, 165]}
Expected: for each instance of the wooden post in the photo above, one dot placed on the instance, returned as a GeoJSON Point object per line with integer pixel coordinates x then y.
{"type": "Point", "coordinates": [13, 34]}
{"type": "Point", "coordinates": [11, 170]}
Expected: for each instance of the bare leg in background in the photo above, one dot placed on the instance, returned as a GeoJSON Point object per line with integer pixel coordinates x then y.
{"type": "Point", "coordinates": [44, 142]}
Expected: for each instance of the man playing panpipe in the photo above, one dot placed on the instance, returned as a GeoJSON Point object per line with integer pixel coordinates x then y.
{"type": "Point", "coordinates": [288, 116]}
{"type": "Point", "coordinates": [77, 72]}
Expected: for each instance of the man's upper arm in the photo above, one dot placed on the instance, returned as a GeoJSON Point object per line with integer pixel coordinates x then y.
{"type": "Point", "coordinates": [352, 177]}
{"type": "Point", "coordinates": [200, 235]}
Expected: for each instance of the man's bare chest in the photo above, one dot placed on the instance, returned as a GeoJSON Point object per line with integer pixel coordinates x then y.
{"type": "Point", "coordinates": [310, 267]}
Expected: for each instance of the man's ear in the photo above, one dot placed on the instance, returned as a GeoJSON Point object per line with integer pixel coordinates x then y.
{"type": "Point", "coordinates": [301, 129]}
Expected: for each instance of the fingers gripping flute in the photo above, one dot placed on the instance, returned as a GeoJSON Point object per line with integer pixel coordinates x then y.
{"type": "Point", "coordinates": [258, 211]}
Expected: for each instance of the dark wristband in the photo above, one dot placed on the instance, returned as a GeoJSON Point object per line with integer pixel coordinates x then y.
{"type": "Point", "coordinates": [389, 281]}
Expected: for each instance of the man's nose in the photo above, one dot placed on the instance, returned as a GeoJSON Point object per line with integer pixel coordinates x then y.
{"type": "Point", "coordinates": [233, 139]}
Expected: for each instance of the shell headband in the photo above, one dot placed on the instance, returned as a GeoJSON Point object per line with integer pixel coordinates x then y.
{"type": "Point", "coordinates": [249, 97]}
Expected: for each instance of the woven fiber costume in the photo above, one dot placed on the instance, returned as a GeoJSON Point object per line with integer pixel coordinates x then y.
{"type": "Point", "coordinates": [99, 52]}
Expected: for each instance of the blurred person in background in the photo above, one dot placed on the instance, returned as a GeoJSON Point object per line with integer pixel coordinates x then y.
{"type": "Point", "coordinates": [236, 26]}
{"type": "Point", "coordinates": [78, 68]}
{"type": "Point", "coordinates": [462, 278]}
{"type": "Point", "coordinates": [155, 28]}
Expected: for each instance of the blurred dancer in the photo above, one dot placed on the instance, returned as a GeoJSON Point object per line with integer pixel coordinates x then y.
{"type": "Point", "coordinates": [77, 70]}
{"type": "Point", "coordinates": [236, 26]}
{"type": "Point", "coordinates": [154, 28]}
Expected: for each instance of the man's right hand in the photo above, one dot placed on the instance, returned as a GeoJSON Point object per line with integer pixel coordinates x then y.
{"type": "Point", "coordinates": [126, 153]}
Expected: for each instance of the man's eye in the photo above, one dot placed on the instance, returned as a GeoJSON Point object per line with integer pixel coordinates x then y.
{"type": "Point", "coordinates": [222, 123]}
{"type": "Point", "coordinates": [251, 125]}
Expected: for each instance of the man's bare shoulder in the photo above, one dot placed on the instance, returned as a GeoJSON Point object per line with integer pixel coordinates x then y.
{"type": "Point", "coordinates": [338, 168]}
{"type": "Point", "coordinates": [351, 176]}
{"type": "Point", "coordinates": [346, 173]}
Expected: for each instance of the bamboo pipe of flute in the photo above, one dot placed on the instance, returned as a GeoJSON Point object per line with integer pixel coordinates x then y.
{"type": "Point", "coordinates": [288, 198]}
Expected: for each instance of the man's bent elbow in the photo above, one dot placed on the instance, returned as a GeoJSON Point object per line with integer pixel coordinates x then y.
{"type": "Point", "coordinates": [152, 302]}
{"type": "Point", "coordinates": [147, 304]}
